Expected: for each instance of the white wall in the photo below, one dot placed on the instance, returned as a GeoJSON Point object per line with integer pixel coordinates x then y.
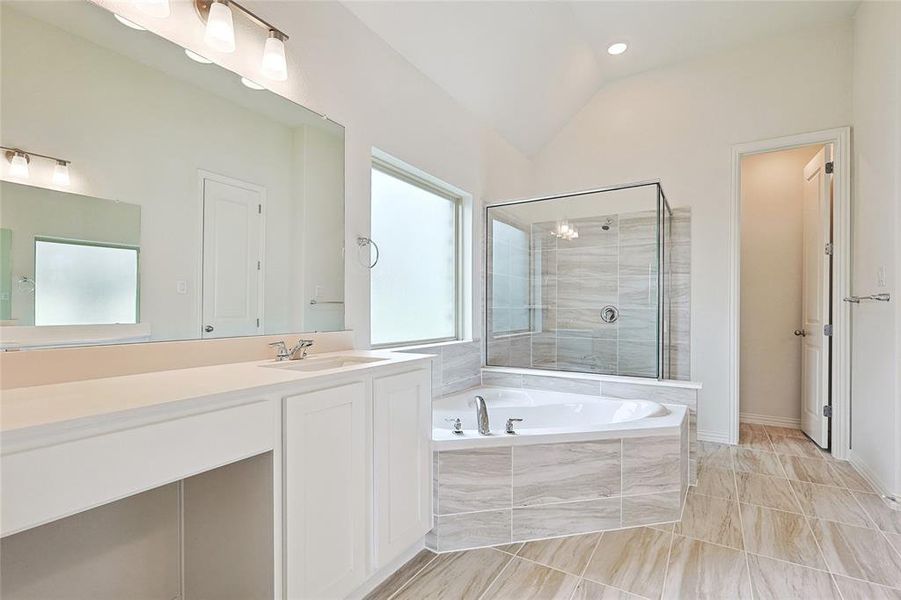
{"type": "Point", "coordinates": [876, 223]}
{"type": "Point", "coordinates": [678, 124]}
{"type": "Point", "coordinates": [772, 194]}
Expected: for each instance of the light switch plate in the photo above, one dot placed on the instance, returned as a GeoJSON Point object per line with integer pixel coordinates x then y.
{"type": "Point", "coordinates": [181, 286]}
{"type": "Point", "coordinates": [880, 276]}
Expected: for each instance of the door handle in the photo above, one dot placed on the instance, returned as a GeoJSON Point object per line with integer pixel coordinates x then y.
{"type": "Point", "coordinates": [800, 333]}
{"type": "Point", "coordinates": [208, 328]}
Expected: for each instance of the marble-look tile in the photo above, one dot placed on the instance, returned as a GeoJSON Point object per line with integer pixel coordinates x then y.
{"type": "Point", "coordinates": [493, 379]}
{"type": "Point", "coordinates": [778, 580]}
{"type": "Point", "coordinates": [637, 323]}
{"type": "Point", "coordinates": [810, 470]}
{"type": "Point", "coordinates": [524, 580]}
{"type": "Point", "coordinates": [779, 534]}
{"type": "Point", "coordinates": [457, 576]}
{"type": "Point", "coordinates": [853, 589]}
{"type": "Point", "coordinates": [587, 322]}
{"type": "Point", "coordinates": [885, 518]}
{"type": "Point", "coordinates": [460, 361]}
{"type": "Point", "coordinates": [858, 552]}
{"type": "Point", "coordinates": [830, 503]}
{"type": "Point", "coordinates": [589, 590]}
{"type": "Point", "coordinates": [568, 518]}
{"type": "Point", "coordinates": [633, 560]}
{"type": "Point", "coordinates": [715, 482]}
{"type": "Point", "coordinates": [651, 464]}
{"type": "Point", "coordinates": [435, 479]}
{"type": "Point", "coordinates": [657, 393]}
{"type": "Point", "coordinates": [562, 384]}
{"type": "Point", "coordinates": [894, 539]}
{"type": "Point", "coordinates": [795, 446]}
{"type": "Point", "coordinates": [404, 574]}
{"type": "Point", "coordinates": [754, 437]}
{"type": "Point", "coordinates": [637, 358]}
{"type": "Point", "coordinates": [510, 548]}
{"type": "Point", "coordinates": [568, 554]}
{"type": "Point", "coordinates": [713, 454]}
{"type": "Point", "coordinates": [591, 355]}
{"type": "Point", "coordinates": [587, 292]}
{"type": "Point", "coordinates": [459, 385]}
{"type": "Point", "coordinates": [637, 289]}
{"type": "Point", "coordinates": [652, 508]}
{"type": "Point", "coordinates": [544, 473]}
{"type": "Point", "coordinates": [773, 430]}
{"type": "Point", "coordinates": [711, 520]}
{"type": "Point", "coordinates": [849, 477]}
{"type": "Point", "coordinates": [763, 490]}
{"type": "Point", "coordinates": [473, 480]}
{"type": "Point", "coordinates": [754, 461]}
{"type": "Point", "coordinates": [472, 530]}
{"type": "Point", "coordinates": [703, 571]}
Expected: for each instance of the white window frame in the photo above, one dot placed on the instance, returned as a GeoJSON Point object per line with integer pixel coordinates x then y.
{"type": "Point", "coordinates": [462, 201]}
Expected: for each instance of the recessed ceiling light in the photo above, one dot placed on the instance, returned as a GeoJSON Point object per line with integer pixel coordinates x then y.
{"type": "Point", "coordinates": [197, 57]}
{"type": "Point", "coordinates": [617, 48]}
{"type": "Point", "coordinates": [252, 84]}
{"type": "Point", "coordinates": [128, 23]}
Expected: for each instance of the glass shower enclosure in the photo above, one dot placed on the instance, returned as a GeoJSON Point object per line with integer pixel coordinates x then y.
{"type": "Point", "coordinates": [580, 282]}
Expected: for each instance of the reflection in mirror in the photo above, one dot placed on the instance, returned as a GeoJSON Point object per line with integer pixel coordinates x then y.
{"type": "Point", "coordinates": [195, 206]}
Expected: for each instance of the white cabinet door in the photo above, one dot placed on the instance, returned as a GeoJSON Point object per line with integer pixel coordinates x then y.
{"type": "Point", "coordinates": [326, 490]}
{"type": "Point", "coordinates": [402, 446]}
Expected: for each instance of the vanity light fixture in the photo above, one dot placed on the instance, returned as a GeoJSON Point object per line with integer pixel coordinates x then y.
{"type": "Point", "coordinates": [128, 23]}
{"type": "Point", "coordinates": [197, 57]}
{"type": "Point", "coordinates": [154, 8]}
{"type": "Point", "coordinates": [19, 160]}
{"type": "Point", "coordinates": [251, 84]}
{"type": "Point", "coordinates": [220, 35]}
{"type": "Point", "coordinates": [617, 48]}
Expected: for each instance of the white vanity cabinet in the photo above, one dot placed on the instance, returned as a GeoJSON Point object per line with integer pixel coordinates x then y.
{"type": "Point", "coordinates": [358, 471]}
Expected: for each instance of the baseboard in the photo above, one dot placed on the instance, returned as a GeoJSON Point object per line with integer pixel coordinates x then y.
{"type": "Point", "coordinates": [712, 436]}
{"type": "Point", "coordinates": [377, 578]}
{"type": "Point", "coordinates": [868, 474]}
{"type": "Point", "coordinates": [757, 419]}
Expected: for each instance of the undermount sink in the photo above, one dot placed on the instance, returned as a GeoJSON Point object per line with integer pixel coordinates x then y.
{"type": "Point", "coordinates": [324, 363]}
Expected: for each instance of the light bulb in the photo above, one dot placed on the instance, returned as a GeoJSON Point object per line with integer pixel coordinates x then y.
{"type": "Point", "coordinates": [18, 165]}
{"type": "Point", "coordinates": [617, 48]}
{"type": "Point", "coordinates": [61, 173]}
{"type": "Point", "coordinates": [128, 23]}
{"type": "Point", "coordinates": [197, 57]}
{"type": "Point", "coordinates": [275, 65]}
{"type": "Point", "coordinates": [154, 8]}
{"type": "Point", "coordinates": [220, 28]}
{"type": "Point", "coordinates": [251, 84]}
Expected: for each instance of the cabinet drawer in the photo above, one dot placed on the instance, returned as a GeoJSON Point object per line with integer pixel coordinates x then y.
{"type": "Point", "coordinates": [43, 484]}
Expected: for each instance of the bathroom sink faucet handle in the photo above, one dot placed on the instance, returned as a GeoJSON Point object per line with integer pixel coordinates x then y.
{"type": "Point", "coordinates": [281, 351]}
{"type": "Point", "coordinates": [301, 348]}
{"type": "Point", "coordinates": [510, 424]}
{"type": "Point", "coordinates": [457, 424]}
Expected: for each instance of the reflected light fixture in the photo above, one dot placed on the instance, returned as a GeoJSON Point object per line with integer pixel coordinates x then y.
{"type": "Point", "coordinates": [197, 57]}
{"type": "Point", "coordinates": [565, 231]}
{"type": "Point", "coordinates": [617, 48]}
{"type": "Point", "coordinates": [61, 172]}
{"type": "Point", "coordinates": [19, 160]}
{"type": "Point", "coordinates": [220, 27]}
{"type": "Point", "coordinates": [18, 163]}
{"type": "Point", "coordinates": [275, 65]}
{"type": "Point", "coordinates": [128, 23]}
{"type": "Point", "coordinates": [251, 84]}
{"type": "Point", "coordinates": [154, 8]}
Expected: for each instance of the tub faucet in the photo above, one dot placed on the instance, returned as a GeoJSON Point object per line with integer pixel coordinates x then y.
{"type": "Point", "coordinates": [482, 416]}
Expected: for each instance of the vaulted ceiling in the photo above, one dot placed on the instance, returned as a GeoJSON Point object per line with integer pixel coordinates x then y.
{"type": "Point", "coordinates": [527, 67]}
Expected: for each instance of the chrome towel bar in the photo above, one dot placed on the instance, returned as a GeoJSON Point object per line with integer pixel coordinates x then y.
{"type": "Point", "coordinates": [877, 297]}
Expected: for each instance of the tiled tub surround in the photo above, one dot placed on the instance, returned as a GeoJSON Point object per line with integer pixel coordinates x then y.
{"type": "Point", "coordinates": [571, 280]}
{"type": "Point", "coordinates": [528, 490]}
{"type": "Point", "coordinates": [456, 365]}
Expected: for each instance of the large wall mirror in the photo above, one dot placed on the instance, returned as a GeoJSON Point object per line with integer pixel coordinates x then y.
{"type": "Point", "coordinates": [196, 207]}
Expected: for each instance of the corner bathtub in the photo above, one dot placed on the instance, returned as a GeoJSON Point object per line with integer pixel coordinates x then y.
{"type": "Point", "coordinates": [547, 417]}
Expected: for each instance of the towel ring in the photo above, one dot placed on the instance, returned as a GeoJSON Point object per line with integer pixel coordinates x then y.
{"type": "Point", "coordinates": [365, 241]}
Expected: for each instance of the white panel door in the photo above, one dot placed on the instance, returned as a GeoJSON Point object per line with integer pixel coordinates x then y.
{"type": "Point", "coordinates": [402, 448]}
{"type": "Point", "coordinates": [326, 491]}
{"type": "Point", "coordinates": [232, 224]}
{"type": "Point", "coordinates": [815, 313]}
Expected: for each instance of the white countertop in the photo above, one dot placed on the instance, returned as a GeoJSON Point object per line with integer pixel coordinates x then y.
{"type": "Point", "coordinates": [23, 408]}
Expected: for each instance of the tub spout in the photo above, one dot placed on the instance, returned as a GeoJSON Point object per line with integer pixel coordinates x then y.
{"type": "Point", "coordinates": [482, 416]}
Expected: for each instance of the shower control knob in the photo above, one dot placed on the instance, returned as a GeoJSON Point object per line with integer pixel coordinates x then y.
{"type": "Point", "coordinates": [800, 333]}
{"type": "Point", "coordinates": [208, 328]}
{"type": "Point", "coordinates": [609, 314]}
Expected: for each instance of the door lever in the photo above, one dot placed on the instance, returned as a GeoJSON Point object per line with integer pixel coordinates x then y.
{"type": "Point", "coordinates": [800, 333]}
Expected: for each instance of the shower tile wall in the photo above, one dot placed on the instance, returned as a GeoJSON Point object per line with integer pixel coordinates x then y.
{"type": "Point", "coordinates": [613, 266]}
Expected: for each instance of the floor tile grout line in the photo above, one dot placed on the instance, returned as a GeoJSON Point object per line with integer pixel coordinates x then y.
{"type": "Point", "coordinates": [741, 525]}
{"type": "Point", "coordinates": [877, 528]}
{"type": "Point", "coordinates": [669, 554]}
{"type": "Point", "coordinates": [510, 559]}
{"type": "Point", "coordinates": [412, 577]}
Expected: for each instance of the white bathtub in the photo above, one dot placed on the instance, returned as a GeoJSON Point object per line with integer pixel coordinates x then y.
{"type": "Point", "coordinates": [548, 416]}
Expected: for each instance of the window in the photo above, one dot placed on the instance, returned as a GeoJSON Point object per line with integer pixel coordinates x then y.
{"type": "Point", "coordinates": [416, 285]}
{"type": "Point", "coordinates": [79, 283]}
{"type": "Point", "coordinates": [510, 281]}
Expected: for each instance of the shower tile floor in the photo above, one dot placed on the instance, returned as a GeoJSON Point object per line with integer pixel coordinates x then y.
{"type": "Point", "coordinates": [771, 518]}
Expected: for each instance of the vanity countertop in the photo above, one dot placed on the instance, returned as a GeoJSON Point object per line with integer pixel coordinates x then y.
{"type": "Point", "coordinates": [37, 406]}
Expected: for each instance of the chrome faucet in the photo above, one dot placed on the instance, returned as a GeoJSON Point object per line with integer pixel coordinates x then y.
{"type": "Point", "coordinates": [482, 416]}
{"type": "Point", "coordinates": [298, 352]}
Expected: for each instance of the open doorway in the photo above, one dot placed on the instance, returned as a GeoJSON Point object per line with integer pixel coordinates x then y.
{"type": "Point", "coordinates": [786, 290]}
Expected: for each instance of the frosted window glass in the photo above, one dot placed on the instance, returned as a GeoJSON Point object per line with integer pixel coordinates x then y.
{"type": "Point", "coordinates": [77, 284]}
{"type": "Point", "coordinates": [510, 307]}
{"type": "Point", "coordinates": [414, 285]}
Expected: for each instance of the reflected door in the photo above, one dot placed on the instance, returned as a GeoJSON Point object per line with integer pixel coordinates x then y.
{"type": "Point", "coordinates": [815, 300]}
{"type": "Point", "coordinates": [232, 258]}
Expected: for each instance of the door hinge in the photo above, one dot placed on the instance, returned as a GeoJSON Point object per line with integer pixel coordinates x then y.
{"type": "Point", "coordinates": [829, 248]}
{"type": "Point", "coordinates": [830, 167]}
{"type": "Point", "coordinates": [259, 265]}
{"type": "Point", "coordinates": [827, 329]}
{"type": "Point", "coordinates": [827, 412]}
{"type": "Point", "coordinates": [258, 322]}
{"type": "Point", "coordinates": [260, 208]}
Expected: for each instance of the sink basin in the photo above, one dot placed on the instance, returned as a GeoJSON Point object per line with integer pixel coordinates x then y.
{"type": "Point", "coordinates": [324, 363]}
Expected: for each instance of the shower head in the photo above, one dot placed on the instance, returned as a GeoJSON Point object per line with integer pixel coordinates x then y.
{"type": "Point", "coordinates": [607, 224]}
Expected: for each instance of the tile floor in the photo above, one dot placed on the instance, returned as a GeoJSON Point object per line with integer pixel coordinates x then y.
{"type": "Point", "coordinates": [771, 518]}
